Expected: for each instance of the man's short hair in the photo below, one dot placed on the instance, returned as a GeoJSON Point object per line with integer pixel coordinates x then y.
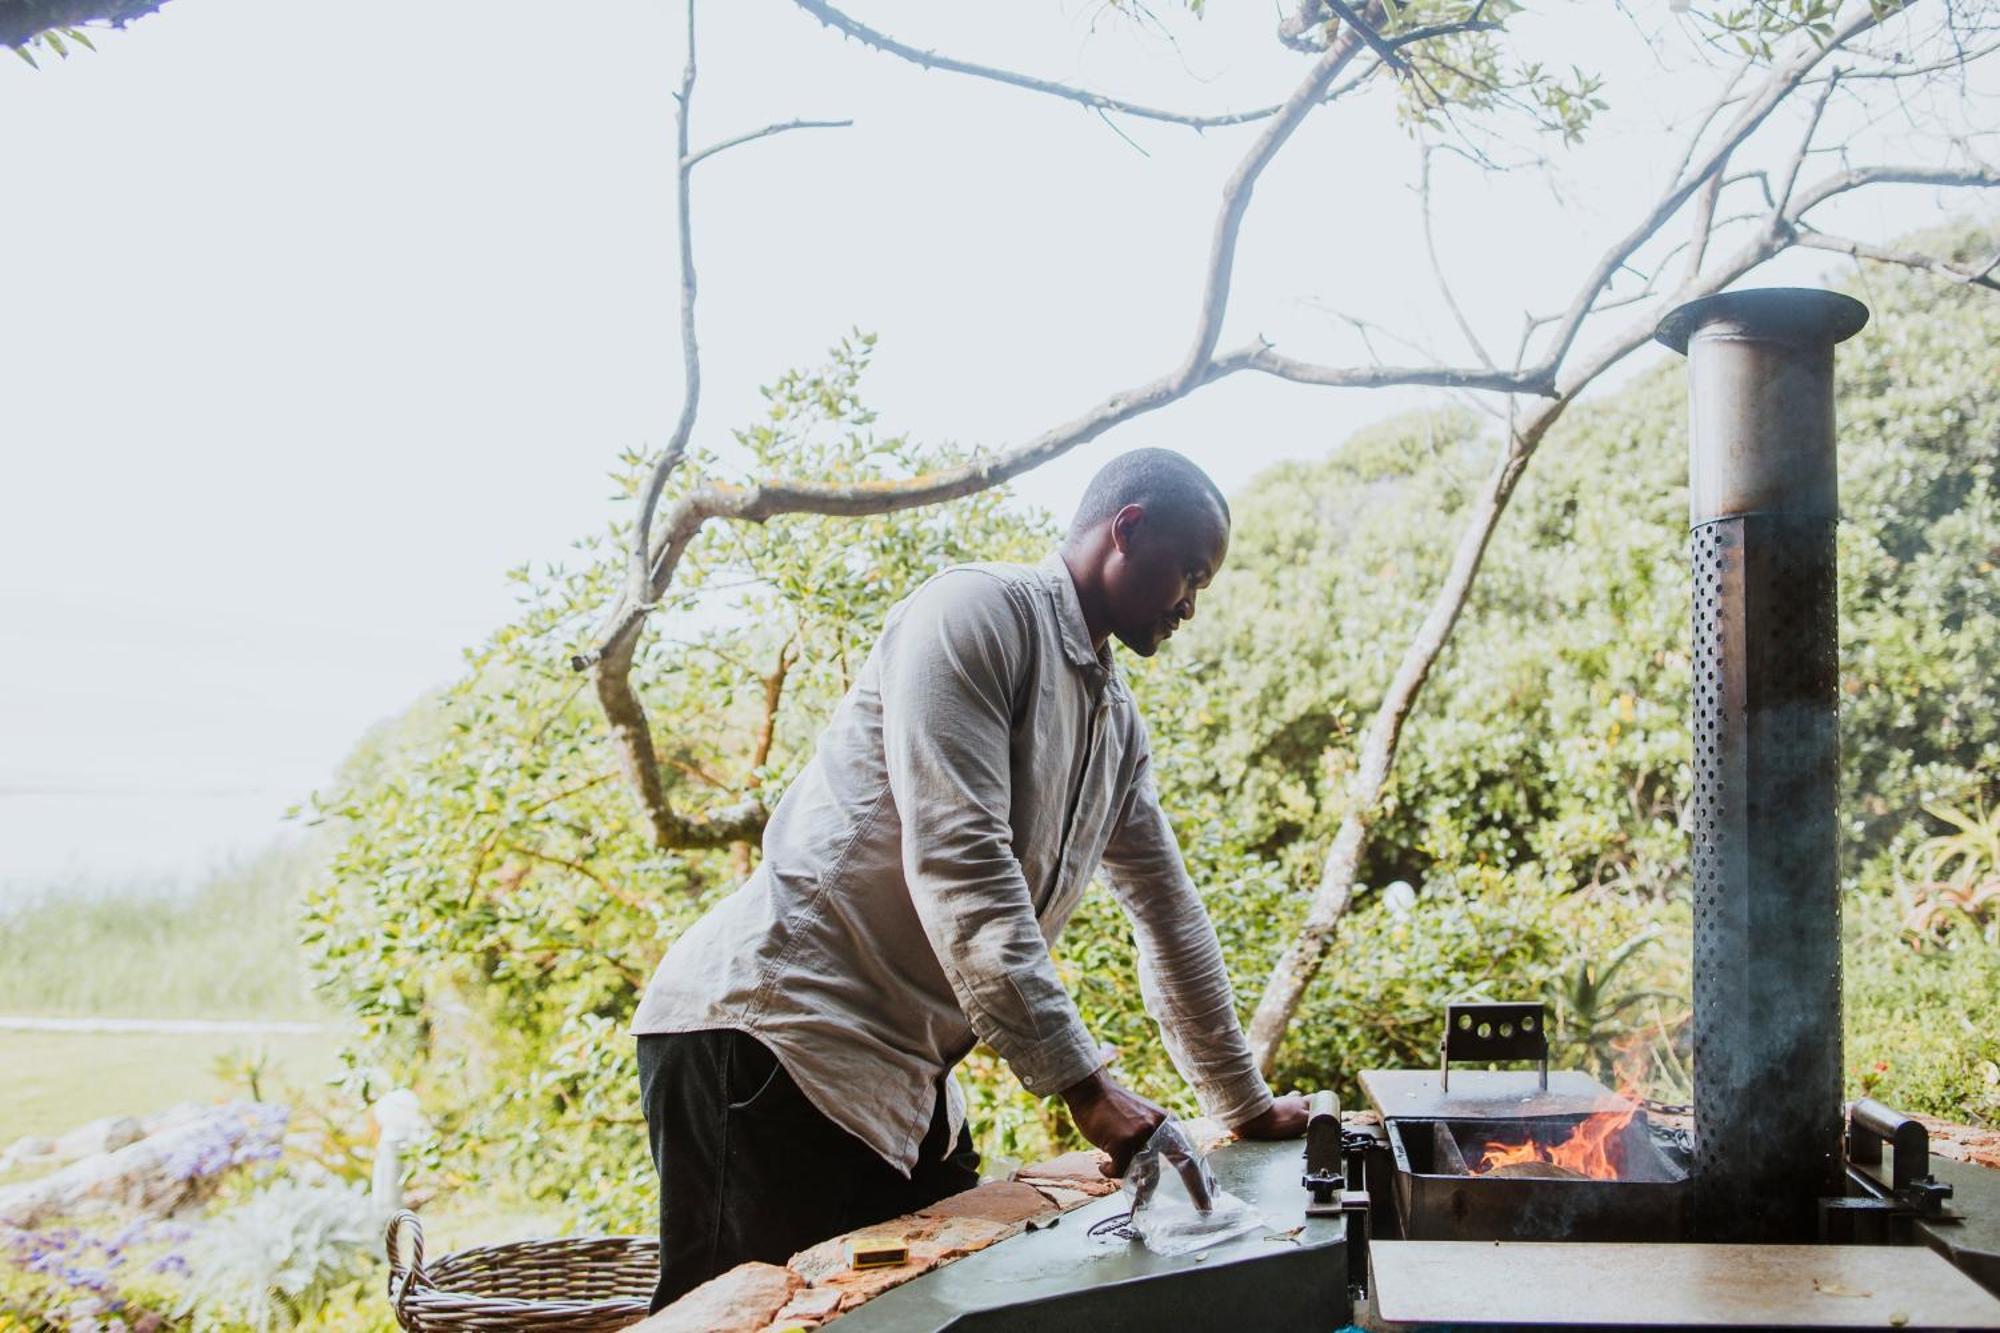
{"type": "Point", "coordinates": [1165, 483]}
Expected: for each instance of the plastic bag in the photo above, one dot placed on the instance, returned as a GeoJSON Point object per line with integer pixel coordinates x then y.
{"type": "Point", "coordinates": [1177, 1206]}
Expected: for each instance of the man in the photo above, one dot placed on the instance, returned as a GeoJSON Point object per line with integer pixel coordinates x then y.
{"type": "Point", "coordinates": [796, 1044]}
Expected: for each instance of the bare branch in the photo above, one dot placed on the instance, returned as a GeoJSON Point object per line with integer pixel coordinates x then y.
{"type": "Point", "coordinates": [1437, 268]}
{"type": "Point", "coordinates": [676, 447]}
{"type": "Point", "coordinates": [1704, 222]}
{"type": "Point", "coordinates": [1236, 196]}
{"type": "Point", "coordinates": [687, 164]}
{"type": "Point", "coordinates": [1956, 61]}
{"type": "Point", "coordinates": [1855, 178]}
{"type": "Point", "coordinates": [883, 42]}
{"type": "Point", "coordinates": [631, 732]}
{"type": "Point", "coordinates": [1980, 277]}
{"type": "Point", "coordinates": [1723, 99]}
{"type": "Point", "coordinates": [1261, 356]}
{"type": "Point", "coordinates": [1798, 157]}
{"type": "Point", "coordinates": [1777, 86]}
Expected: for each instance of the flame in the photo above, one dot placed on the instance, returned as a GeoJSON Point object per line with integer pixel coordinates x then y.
{"type": "Point", "coordinates": [1585, 1151]}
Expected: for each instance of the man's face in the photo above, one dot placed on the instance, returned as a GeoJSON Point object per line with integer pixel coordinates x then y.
{"type": "Point", "coordinates": [1157, 569]}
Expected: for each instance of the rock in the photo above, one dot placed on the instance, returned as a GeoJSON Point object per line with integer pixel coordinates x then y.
{"type": "Point", "coordinates": [744, 1300]}
{"type": "Point", "coordinates": [818, 1262]}
{"type": "Point", "coordinates": [944, 1239]}
{"type": "Point", "coordinates": [152, 1176]}
{"type": "Point", "coordinates": [814, 1305]}
{"type": "Point", "coordinates": [1082, 1167]}
{"type": "Point", "coordinates": [996, 1201]}
{"type": "Point", "coordinates": [27, 1150]}
{"type": "Point", "coordinates": [1070, 1179]}
{"type": "Point", "coordinates": [99, 1136]}
{"type": "Point", "coordinates": [1066, 1195]}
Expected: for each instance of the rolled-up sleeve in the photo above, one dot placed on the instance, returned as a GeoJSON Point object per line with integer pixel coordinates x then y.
{"type": "Point", "coordinates": [950, 667]}
{"type": "Point", "coordinates": [1181, 972]}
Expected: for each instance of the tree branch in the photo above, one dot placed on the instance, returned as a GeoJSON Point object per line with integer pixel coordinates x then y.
{"type": "Point", "coordinates": [1798, 157]}
{"type": "Point", "coordinates": [631, 733]}
{"type": "Point", "coordinates": [883, 42]}
{"type": "Point", "coordinates": [1856, 177]}
{"type": "Point", "coordinates": [1261, 356]}
{"type": "Point", "coordinates": [1777, 86]}
{"type": "Point", "coordinates": [1981, 277]}
{"type": "Point", "coordinates": [676, 448]}
{"type": "Point", "coordinates": [687, 163]}
{"type": "Point", "coordinates": [1437, 268]}
{"type": "Point", "coordinates": [1704, 221]}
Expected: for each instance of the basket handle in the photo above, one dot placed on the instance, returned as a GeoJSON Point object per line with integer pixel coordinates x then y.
{"type": "Point", "coordinates": [402, 1276]}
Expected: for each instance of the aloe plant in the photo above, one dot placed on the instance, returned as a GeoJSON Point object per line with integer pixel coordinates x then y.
{"type": "Point", "coordinates": [1958, 875]}
{"type": "Point", "coordinates": [1590, 1012]}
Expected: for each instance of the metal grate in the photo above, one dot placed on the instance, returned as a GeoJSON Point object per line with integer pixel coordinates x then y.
{"type": "Point", "coordinates": [1712, 549]}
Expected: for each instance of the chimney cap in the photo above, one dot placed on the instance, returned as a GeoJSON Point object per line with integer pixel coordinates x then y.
{"type": "Point", "coordinates": [1787, 314]}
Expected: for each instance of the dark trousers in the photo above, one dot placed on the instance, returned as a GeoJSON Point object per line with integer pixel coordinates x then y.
{"type": "Point", "coordinates": [749, 1169]}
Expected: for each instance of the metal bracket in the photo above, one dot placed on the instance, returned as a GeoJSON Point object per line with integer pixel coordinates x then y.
{"type": "Point", "coordinates": [1336, 1174]}
{"type": "Point", "coordinates": [1494, 1030]}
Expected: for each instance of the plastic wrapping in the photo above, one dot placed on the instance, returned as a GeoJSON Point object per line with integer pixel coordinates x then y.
{"type": "Point", "coordinates": [1177, 1206]}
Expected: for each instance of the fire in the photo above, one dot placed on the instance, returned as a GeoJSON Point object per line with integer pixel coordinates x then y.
{"type": "Point", "coordinates": [1585, 1151]}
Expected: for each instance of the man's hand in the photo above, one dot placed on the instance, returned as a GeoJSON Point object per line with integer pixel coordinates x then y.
{"type": "Point", "coordinates": [1284, 1118]}
{"type": "Point", "coordinates": [1114, 1119]}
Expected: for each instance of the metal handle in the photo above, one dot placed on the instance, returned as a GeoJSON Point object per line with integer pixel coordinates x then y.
{"type": "Point", "coordinates": [1870, 1124]}
{"type": "Point", "coordinates": [1323, 1147]}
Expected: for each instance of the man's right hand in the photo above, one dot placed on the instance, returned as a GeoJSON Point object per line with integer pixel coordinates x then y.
{"type": "Point", "coordinates": [1112, 1118]}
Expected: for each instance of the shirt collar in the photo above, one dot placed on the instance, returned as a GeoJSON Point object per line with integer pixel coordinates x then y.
{"type": "Point", "coordinates": [1075, 630]}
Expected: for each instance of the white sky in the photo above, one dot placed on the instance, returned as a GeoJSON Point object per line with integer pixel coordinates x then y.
{"type": "Point", "coordinates": [319, 316]}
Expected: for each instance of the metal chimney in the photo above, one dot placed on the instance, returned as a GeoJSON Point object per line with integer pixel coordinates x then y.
{"type": "Point", "coordinates": [1767, 1037]}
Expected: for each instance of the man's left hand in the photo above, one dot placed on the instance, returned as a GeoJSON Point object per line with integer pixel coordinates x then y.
{"type": "Point", "coordinates": [1285, 1118]}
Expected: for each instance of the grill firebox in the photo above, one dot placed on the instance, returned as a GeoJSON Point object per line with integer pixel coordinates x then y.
{"type": "Point", "coordinates": [1442, 1195]}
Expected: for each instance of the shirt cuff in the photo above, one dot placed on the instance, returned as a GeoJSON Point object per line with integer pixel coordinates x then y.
{"type": "Point", "coordinates": [1059, 1062]}
{"type": "Point", "coordinates": [1236, 1104]}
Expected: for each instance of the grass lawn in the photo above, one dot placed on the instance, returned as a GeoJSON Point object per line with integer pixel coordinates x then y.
{"type": "Point", "coordinates": [54, 1081]}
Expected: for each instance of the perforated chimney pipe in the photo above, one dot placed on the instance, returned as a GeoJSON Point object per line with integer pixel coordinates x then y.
{"type": "Point", "coordinates": [1767, 1036]}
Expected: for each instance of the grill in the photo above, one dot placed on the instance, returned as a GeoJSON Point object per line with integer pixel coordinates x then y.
{"type": "Point", "coordinates": [1520, 1155]}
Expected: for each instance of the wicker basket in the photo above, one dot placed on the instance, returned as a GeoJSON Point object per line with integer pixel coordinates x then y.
{"type": "Point", "coordinates": [581, 1285]}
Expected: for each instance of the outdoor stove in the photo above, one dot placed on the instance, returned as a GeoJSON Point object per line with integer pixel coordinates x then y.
{"type": "Point", "coordinates": [1516, 1155]}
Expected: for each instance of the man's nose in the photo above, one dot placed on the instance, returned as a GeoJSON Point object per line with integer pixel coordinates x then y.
{"type": "Point", "coordinates": [1185, 607]}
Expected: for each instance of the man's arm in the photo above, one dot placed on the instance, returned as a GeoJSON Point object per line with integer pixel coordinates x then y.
{"type": "Point", "coordinates": [958, 652]}
{"type": "Point", "coordinates": [1181, 972]}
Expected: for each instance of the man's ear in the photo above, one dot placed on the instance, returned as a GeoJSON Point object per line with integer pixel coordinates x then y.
{"type": "Point", "coordinates": [1124, 524]}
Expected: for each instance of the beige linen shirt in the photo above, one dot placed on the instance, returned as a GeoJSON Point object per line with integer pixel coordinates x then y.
{"type": "Point", "coordinates": [986, 763]}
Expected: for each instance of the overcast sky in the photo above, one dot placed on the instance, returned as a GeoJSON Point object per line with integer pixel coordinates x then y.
{"type": "Point", "coordinates": [320, 316]}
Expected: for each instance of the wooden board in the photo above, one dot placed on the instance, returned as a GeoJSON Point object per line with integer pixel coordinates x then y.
{"type": "Point", "coordinates": [1486, 1094]}
{"type": "Point", "coordinates": [1553, 1283]}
